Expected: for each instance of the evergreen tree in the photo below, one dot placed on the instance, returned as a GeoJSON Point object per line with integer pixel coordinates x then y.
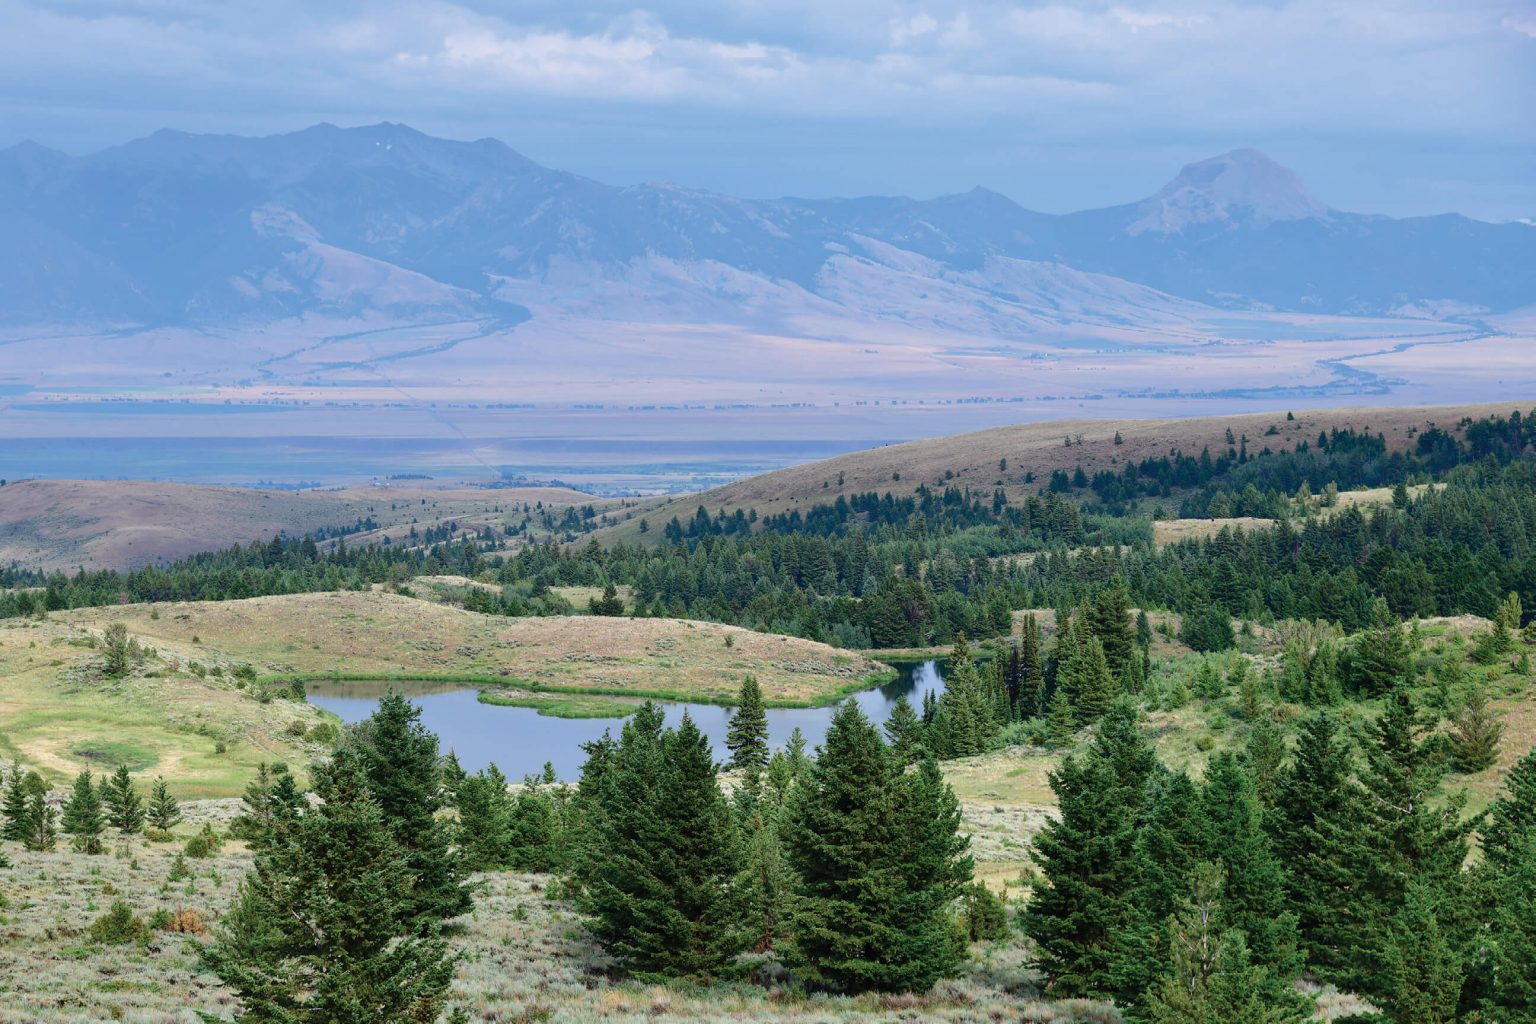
{"type": "Point", "coordinates": [1265, 752]}
{"type": "Point", "coordinates": [1109, 619]}
{"type": "Point", "coordinates": [1401, 837]}
{"type": "Point", "coordinates": [164, 812]}
{"type": "Point", "coordinates": [125, 807]}
{"type": "Point", "coordinates": [766, 878]}
{"type": "Point", "coordinates": [1511, 822]}
{"type": "Point", "coordinates": [484, 832]}
{"type": "Point", "coordinates": [1510, 966]}
{"type": "Point", "coordinates": [1474, 734]}
{"type": "Point", "coordinates": [1423, 967]}
{"type": "Point", "coordinates": [16, 805]}
{"type": "Point", "coordinates": [1234, 837]}
{"type": "Point", "coordinates": [271, 800]}
{"type": "Point", "coordinates": [878, 859]}
{"type": "Point", "coordinates": [1061, 720]}
{"type": "Point", "coordinates": [83, 819]}
{"type": "Point", "coordinates": [42, 832]}
{"type": "Point", "coordinates": [325, 927]}
{"type": "Point", "coordinates": [1094, 686]}
{"type": "Point", "coordinates": [1312, 824]}
{"type": "Point", "coordinates": [400, 758]}
{"type": "Point", "coordinates": [1085, 905]}
{"type": "Point", "coordinates": [1380, 661]}
{"type": "Point", "coordinates": [1031, 673]}
{"type": "Point", "coordinates": [666, 899]}
{"type": "Point", "coordinates": [1210, 979]}
{"type": "Point", "coordinates": [610, 604]}
{"type": "Point", "coordinates": [747, 739]}
{"type": "Point", "coordinates": [537, 830]}
{"type": "Point", "coordinates": [903, 730]}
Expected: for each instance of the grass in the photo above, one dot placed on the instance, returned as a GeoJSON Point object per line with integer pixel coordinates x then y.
{"type": "Point", "coordinates": [60, 716]}
{"type": "Point", "coordinates": [381, 636]}
{"type": "Point", "coordinates": [559, 707]}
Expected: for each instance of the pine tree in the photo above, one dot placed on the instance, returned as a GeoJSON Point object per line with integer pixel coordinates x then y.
{"type": "Point", "coordinates": [1511, 822]}
{"type": "Point", "coordinates": [325, 927]}
{"type": "Point", "coordinates": [83, 819]}
{"type": "Point", "coordinates": [1085, 904]}
{"type": "Point", "coordinates": [1234, 837]}
{"type": "Point", "coordinates": [1095, 687]}
{"type": "Point", "coordinates": [1474, 734]}
{"type": "Point", "coordinates": [878, 859]}
{"type": "Point", "coordinates": [1031, 674]}
{"type": "Point", "coordinates": [1401, 836]}
{"type": "Point", "coordinates": [1380, 662]}
{"type": "Point", "coordinates": [904, 732]}
{"type": "Point", "coordinates": [270, 801]}
{"type": "Point", "coordinates": [400, 758]}
{"type": "Point", "coordinates": [747, 739]}
{"type": "Point", "coordinates": [1061, 721]}
{"type": "Point", "coordinates": [766, 878]}
{"type": "Point", "coordinates": [164, 812]}
{"type": "Point", "coordinates": [666, 899]}
{"type": "Point", "coordinates": [125, 807]}
{"type": "Point", "coordinates": [1316, 811]}
{"type": "Point", "coordinates": [1509, 995]}
{"type": "Point", "coordinates": [484, 833]}
{"type": "Point", "coordinates": [1210, 977]}
{"type": "Point", "coordinates": [16, 805]}
{"type": "Point", "coordinates": [42, 832]}
{"type": "Point", "coordinates": [1423, 968]}
{"type": "Point", "coordinates": [1264, 752]}
{"type": "Point", "coordinates": [1109, 619]}
{"type": "Point", "coordinates": [537, 830]}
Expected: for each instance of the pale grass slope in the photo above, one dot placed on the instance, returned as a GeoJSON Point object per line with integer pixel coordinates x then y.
{"type": "Point", "coordinates": [379, 633]}
{"type": "Point", "coordinates": [120, 524]}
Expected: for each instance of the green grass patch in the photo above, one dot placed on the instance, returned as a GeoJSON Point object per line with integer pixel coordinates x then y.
{"type": "Point", "coordinates": [109, 754]}
{"type": "Point", "coordinates": [560, 707]}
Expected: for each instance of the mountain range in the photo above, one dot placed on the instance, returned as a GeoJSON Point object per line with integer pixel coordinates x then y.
{"type": "Point", "coordinates": [386, 222]}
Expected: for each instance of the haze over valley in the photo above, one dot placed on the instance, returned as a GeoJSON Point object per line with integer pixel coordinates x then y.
{"type": "Point", "coordinates": [339, 304]}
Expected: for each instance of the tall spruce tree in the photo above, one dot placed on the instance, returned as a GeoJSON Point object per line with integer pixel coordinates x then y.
{"type": "Point", "coordinates": [16, 805]}
{"type": "Point", "coordinates": [1509, 965]}
{"type": "Point", "coordinates": [1474, 734]}
{"type": "Point", "coordinates": [1234, 837]}
{"type": "Point", "coordinates": [1092, 682]}
{"type": "Point", "coordinates": [877, 858]}
{"type": "Point", "coordinates": [1210, 978]}
{"type": "Point", "coordinates": [1109, 619]}
{"type": "Point", "coordinates": [666, 900]}
{"type": "Point", "coordinates": [1511, 821]}
{"type": "Point", "coordinates": [747, 738]}
{"type": "Point", "coordinates": [42, 821]}
{"type": "Point", "coordinates": [1403, 837]}
{"type": "Point", "coordinates": [400, 758]}
{"type": "Point", "coordinates": [1031, 672]}
{"type": "Point", "coordinates": [1312, 824]}
{"type": "Point", "coordinates": [484, 833]}
{"type": "Point", "coordinates": [124, 804]}
{"type": "Point", "coordinates": [904, 731]}
{"type": "Point", "coordinates": [164, 812]}
{"type": "Point", "coordinates": [83, 820]}
{"type": "Point", "coordinates": [1085, 905]}
{"type": "Point", "coordinates": [325, 927]}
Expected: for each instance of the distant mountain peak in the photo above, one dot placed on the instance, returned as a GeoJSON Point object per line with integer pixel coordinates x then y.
{"type": "Point", "coordinates": [1241, 187]}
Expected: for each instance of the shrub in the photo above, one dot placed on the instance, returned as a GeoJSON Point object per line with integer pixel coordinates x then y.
{"type": "Point", "coordinates": [180, 921]}
{"type": "Point", "coordinates": [119, 926]}
{"type": "Point", "coordinates": [983, 916]}
{"type": "Point", "coordinates": [179, 870]}
{"type": "Point", "coordinates": [203, 845]}
{"type": "Point", "coordinates": [156, 835]}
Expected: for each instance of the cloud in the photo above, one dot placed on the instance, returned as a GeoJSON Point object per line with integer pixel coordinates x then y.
{"type": "Point", "coordinates": [1010, 73]}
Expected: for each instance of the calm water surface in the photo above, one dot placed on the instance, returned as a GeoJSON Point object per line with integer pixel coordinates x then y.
{"type": "Point", "coordinates": [520, 740]}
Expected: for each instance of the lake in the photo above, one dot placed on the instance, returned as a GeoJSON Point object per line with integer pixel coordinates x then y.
{"type": "Point", "coordinates": [520, 740]}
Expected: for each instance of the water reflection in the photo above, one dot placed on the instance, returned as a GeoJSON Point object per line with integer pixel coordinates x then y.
{"type": "Point", "coordinates": [520, 740]}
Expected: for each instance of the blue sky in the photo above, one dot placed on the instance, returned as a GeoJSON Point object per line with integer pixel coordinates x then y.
{"type": "Point", "coordinates": [1392, 106]}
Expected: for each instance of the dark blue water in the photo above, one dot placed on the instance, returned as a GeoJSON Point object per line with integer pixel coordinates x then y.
{"type": "Point", "coordinates": [520, 740]}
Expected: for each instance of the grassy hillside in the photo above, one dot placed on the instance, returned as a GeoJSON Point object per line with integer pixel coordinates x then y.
{"type": "Point", "coordinates": [1032, 452]}
{"type": "Point", "coordinates": [63, 524]}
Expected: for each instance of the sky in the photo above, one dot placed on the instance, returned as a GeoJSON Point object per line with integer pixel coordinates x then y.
{"type": "Point", "coordinates": [1389, 106]}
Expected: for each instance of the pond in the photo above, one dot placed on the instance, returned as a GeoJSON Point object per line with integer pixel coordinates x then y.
{"type": "Point", "coordinates": [520, 740]}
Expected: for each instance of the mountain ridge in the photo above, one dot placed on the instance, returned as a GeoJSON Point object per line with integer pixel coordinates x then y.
{"type": "Point", "coordinates": [179, 227]}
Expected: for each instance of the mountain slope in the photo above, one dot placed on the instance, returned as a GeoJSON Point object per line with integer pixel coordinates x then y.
{"type": "Point", "coordinates": [385, 221]}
